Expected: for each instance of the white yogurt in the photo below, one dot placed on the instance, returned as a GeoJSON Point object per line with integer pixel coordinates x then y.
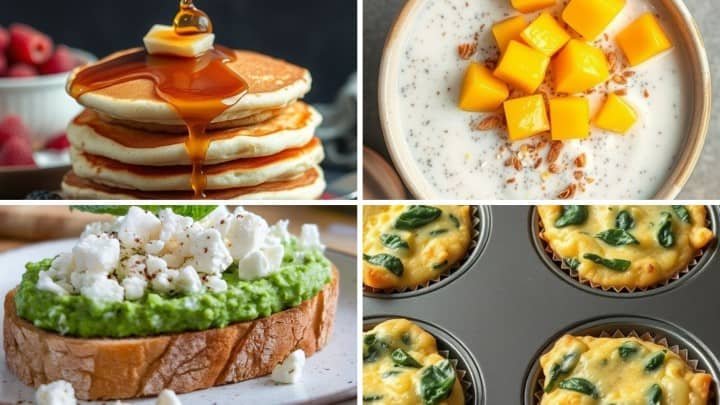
{"type": "Point", "coordinates": [454, 161]}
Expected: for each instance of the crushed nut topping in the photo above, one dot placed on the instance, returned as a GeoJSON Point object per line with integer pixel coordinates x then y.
{"type": "Point", "coordinates": [488, 123]}
{"type": "Point", "coordinates": [568, 193]}
{"type": "Point", "coordinates": [466, 50]}
{"type": "Point", "coordinates": [554, 153]}
{"type": "Point", "coordinates": [580, 160]}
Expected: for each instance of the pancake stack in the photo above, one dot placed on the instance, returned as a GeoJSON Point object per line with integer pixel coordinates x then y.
{"type": "Point", "coordinates": [130, 144]}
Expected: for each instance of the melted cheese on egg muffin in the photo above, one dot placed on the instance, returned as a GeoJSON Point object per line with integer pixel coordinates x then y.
{"type": "Point", "coordinates": [617, 246]}
{"type": "Point", "coordinates": [407, 246]}
{"type": "Point", "coordinates": [589, 370]}
{"type": "Point", "coordinates": [401, 365]}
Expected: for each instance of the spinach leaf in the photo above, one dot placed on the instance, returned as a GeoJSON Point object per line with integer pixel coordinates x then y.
{"type": "Point", "coordinates": [572, 215]}
{"type": "Point", "coordinates": [624, 220]}
{"type": "Point", "coordinates": [617, 237]}
{"type": "Point", "coordinates": [402, 358]}
{"type": "Point", "coordinates": [567, 365]}
{"type": "Point", "coordinates": [572, 262]}
{"type": "Point", "coordinates": [437, 232]}
{"type": "Point", "coordinates": [682, 212]}
{"type": "Point", "coordinates": [665, 235]}
{"type": "Point", "coordinates": [389, 262]}
{"type": "Point", "coordinates": [454, 220]}
{"type": "Point", "coordinates": [580, 385]}
{"type": "Point", "coordinates": [406, 339]}
{"type": "Point", "coordinates": [655, 361]}
{"type": "Point", "coordinates": [628, 349]}
{"type": "Point", "coordinates": [612, 264]}
{"type": "Point", "coordinates": [390, 373]}
{"type": "Point", "coordinates": [196, 212]}
{"type": "Point", "coordinates": [436, 382]}
{"type": "Point", "coordinates": [372, 398]}
{"type": "Point", "coordinates": [654, 395]}
{"type": "Point", "coordinates": [393, 241]}
{"type": "Point", "coordinates": [441, 265]}
{"type": "Point", "coordinates": [417, 216]}
{"type": "Point", "coordinates": [373, 348]}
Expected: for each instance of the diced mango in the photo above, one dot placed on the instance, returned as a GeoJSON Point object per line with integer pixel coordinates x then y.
{"type": "Point", "coordinates": [528, 6]}
{"type": "Point", "coordinates": [545, 34]}
{"type": "Point", "coordinates": [579, 67]}
{"type": "Point", "coordinates": [481, 91]}
{"type": "Point", "coordinates": [525, 117]}
{"type": "Point", "coordinates": [508, 29]}
{"type": "Point", "coordinates": [643, 39]}
{"type": "Point", "coordinates": [615, 115]}
{"type": "Point", "coordinates": [590, 17]}
{"type": "Point", "coordinates": [522, 67]}
{"type": "Point", "coordinates": [569, 118]}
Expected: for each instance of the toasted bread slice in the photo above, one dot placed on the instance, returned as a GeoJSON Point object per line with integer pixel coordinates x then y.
{"type": "Point", "coordinates": [103, 369]}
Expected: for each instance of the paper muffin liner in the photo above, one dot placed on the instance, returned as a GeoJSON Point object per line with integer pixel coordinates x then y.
{"type": "Point", "coordinates": [658, 339]}
{"type": "Point", "coordinates": [476, 233]}
{"type": "Point", "coordinates": [575, 275]}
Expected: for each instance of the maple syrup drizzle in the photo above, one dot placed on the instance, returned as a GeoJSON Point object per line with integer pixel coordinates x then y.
{"type": "Point", "coordinates": [190, 20]}
{"type": "Point", "coordinates": [199, 89]}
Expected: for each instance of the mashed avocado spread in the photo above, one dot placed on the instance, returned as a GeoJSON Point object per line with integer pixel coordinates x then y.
{"type": "Point", "coordinates": [300, 277]}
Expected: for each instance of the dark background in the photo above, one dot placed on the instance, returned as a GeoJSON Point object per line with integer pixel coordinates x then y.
{"type": "Point", "coordinates": [319, 35]}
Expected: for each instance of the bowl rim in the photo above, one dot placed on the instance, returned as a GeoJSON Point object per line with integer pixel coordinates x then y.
{"type": "Point", "coordinates": [14, 83]}
{"type": "Point", "coordinates": [689, 152]}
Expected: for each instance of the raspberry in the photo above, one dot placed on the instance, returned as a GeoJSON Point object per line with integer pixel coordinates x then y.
{"type": "Point", "coordinates": [4, 39]}
{"type": "Point", "coordinates": [3, 64]}
{"type": "Point", "coordinates": [22, 70]}
{"type": "Point", "coordinates": [61, 61]}
{"type": "Point", "coordinates": [16, 152]}
{"type": "Point", "coordinates": [28, 45]}
{"type": "Point", "coordinates": [13, 127]}
{"type": "Point", "coordinates": [59, 142]}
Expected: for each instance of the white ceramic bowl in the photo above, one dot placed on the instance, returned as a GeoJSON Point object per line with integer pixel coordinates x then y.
{"type": "Point", "coordinates": [41, 101]}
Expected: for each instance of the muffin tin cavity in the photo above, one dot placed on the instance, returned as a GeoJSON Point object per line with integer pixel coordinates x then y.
{"type": "Point", "coordinates": [453, 349]}
{"type": "Point", "coordinates": [482, 226]}
{"type": "Point", "coordinates": [560, 269]}
{"type": "Point", "coordinates": [676, 338]}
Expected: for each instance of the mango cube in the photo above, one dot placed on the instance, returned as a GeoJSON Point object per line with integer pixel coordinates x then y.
{"type": "Point", "coordinates": [481, 91]}
{"type": "Point", "coordinates": [569, 118]}
{"type": "Point", "coordinates": [615, 115]}
{"type": "Point", "coordinates": [545, 34]}
{"type": "Point", "coordinates": [643, 39]}
{"type": "Point", "coordinates": [525, 117]}
{"type": "Point", "coordinates": [508, 29]}
{"type": "Point", "coordinates": [590, 17]}
{"type": "Point", "coordinates": [579, 67]}
{"type": "Point", "coordinates": [522, 67]}
{"type": "Point", "coordinates": [528, 6]}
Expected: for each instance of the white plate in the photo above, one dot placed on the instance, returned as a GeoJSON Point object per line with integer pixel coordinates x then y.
{"type": "Point", "coordinates": [329, 376]}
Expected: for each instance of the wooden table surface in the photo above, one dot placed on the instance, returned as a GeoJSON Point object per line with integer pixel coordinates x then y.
{"type": "Point", "coordinates": [22, 225]}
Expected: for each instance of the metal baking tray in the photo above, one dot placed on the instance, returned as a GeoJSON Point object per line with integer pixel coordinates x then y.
{"type": "Point", "coordinates": [510, 306]}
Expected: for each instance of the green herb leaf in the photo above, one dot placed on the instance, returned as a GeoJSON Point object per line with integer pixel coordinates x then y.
{"type": "Point", "coordinates": [624, 220]}
{"type": "Point", "coordinates": [665, 235]}
{"type": "Point", "coordinates": [655, 361]}
{"type": "Point", "coordinates": [565, 367]}
{"type": "Point", "coordinates": [572, 262]}
{"type": "Point", "coordinates": [628, 349]}
{"type": "Point", "coordinates": [682, 212]}
{"type": "Point", "coordinates": [437, 232]}
{"type": "Point", "coordinates": [372, 398]}
{"type": "Point", "coordinates": [373, 348]}
{"type": "Point", "coordinates": [572, 215]}
{"type": "Point", "coordinates": [196, 212]}
{"type": "Point", "coordinates": [389, 262]}
{"type": "Point", "coordinates": [617, 237]}
{"type": "Point", "coordinates": [580, 385]}
{"type": "Point", "coordinates": [417, 216]}
{"type": "Point", "coordinates": [612, 264]}
{"type": "Point", "coordinates": [402, 358]}
{"type": "Point", "coordinates": [390, 373]}
{"type": "Point", "coordinates": [436, 382]}
{"type": "Point", "coordinates": [454, 220]}
{"type": "Point", "coordinates": [439, 266]}
{"type": "Point", "coordinates": [654, 395]}
{"type": "Point", "coordinates": [393, 241]}
{"type": "Point", "coordinates": [406, 339]}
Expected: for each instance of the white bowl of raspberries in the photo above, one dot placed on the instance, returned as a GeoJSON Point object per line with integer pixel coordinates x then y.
{"type": "Point", "coordinates": [34, 107]}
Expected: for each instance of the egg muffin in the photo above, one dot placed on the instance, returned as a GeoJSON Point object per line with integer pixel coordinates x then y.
{"type": "Point", "coordinates": [623, 246]}
{"type": "Point", "coordinates": [401, 365]}
{"type": "Point", "coordinates": [590, 370]}
{"type": "Point", "coordinates": [408, 246]}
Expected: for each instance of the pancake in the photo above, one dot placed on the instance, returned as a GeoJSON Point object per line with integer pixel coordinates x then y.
{"type": "Point", "coordinates": [271, 83]}
{"type": "Point", "coordinates": [236, 173]}
{"type": "Point", "coordinates": [309, 185]}
{"type": "Point", "coordinates": [292, 128]}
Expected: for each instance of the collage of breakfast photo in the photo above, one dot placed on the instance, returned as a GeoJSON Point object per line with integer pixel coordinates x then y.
{"type": "Point", "coordinates": [371, 202]}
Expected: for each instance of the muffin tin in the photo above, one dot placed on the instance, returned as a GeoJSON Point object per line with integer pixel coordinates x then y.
{"type": "Point", "coordinates": [510, 306]}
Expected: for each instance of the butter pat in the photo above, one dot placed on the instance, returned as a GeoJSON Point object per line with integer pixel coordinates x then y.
{"type": "Point", "coordinates": [162, 40]}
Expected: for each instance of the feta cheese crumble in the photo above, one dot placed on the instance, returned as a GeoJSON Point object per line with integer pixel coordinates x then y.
{"type": "Point", "coordinates": [56, 393]}
{"type": "Point", "coordinates": [171, 254]}
{"type": "Point", "coordinates": [168, 397]}
{"type": "Point", "coordinates": [290, 370]}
